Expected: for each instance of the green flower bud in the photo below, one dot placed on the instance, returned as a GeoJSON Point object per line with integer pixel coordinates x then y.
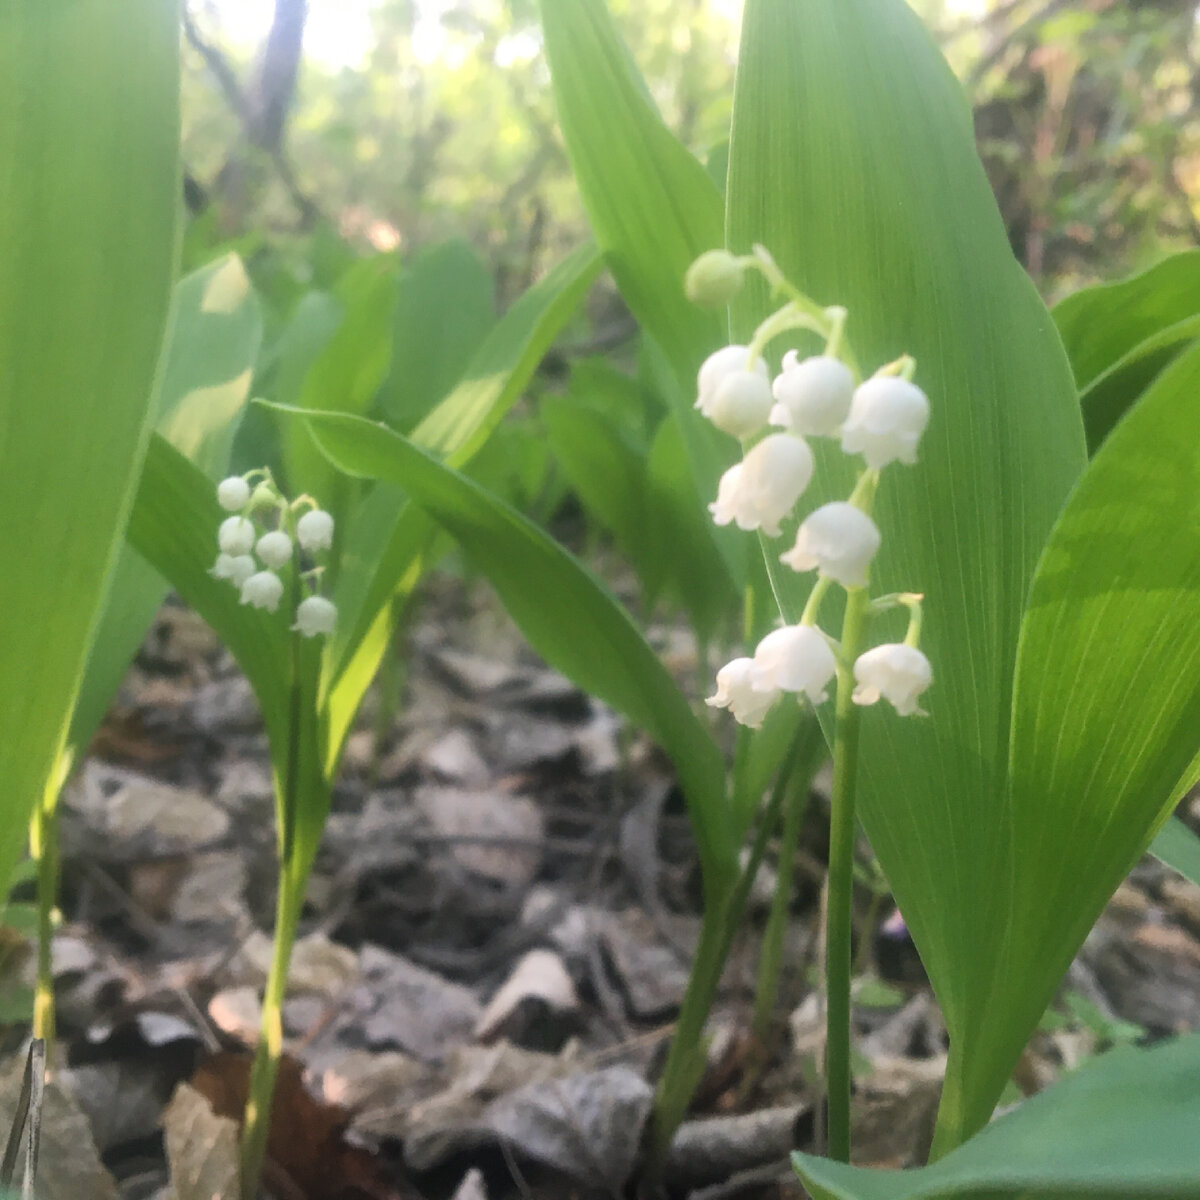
{"type": "Point", "coordinates": [714, 279]}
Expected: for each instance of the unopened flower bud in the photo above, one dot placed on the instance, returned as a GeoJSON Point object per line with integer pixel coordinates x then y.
{"type": "Point", "coordinates": [237, 568]}
{"type": "Point", "coordinates": [263, 590]}
{"type": "Point", "coordinates": [714, 279]}
{"type": "Point", "coordinates": [314, 530]}
{"type": "Point", "coordinates": [236, 535]}
{"type": "Point", "coordinates": [233, 493]}
{"type": "Point", "coordinates": [837, 539]}
{"type": "Point", "coordinates": [274, 548]}
{"type": "Point", "coordinates": [814, 395]}
{"type": "Point", "coordinates": [736, 692]}
{"type": "Point", "coordinates": [895, 672]}
{"type": "Point", "coordinates": [796, 658]}
{"type": "Point", "coordinates": [763, 488]}
{"type": "Point", "coordinates": [719, 366]}
{"type": "Point", "coordinates": [315, 616]}
{"type": "Point", "coordinates": [887, 417]}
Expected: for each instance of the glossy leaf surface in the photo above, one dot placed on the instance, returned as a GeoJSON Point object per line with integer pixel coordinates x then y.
{"type": "Point", "coordinates": [1107, 703]}
{"type": "Point", "coordinates": [214, 338]}
{"type": "Point", "coordinates": [1100, 325]}
{"type": "Point", "coordinates": [568, 616]}
{"type": "Point", "coordinates": [1120, 1126]}
{"type": "Point", "coordinates": [853, 160]}
{"type": "Point", "coordinates": [89, 179]}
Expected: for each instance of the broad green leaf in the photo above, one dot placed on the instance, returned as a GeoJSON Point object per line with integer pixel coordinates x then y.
{"type": "Point", "coordinates": [1106, 715]}
{"type": "Point", "coordinates": [378, 552]}
{"type": "Point", "coordinates": [444, 312]}
{"type": "Point", "coordinates": [609, 476]}
{"type": "Point", "coordinates": [1121, 1126]}
{"type": "Point", "coordinates": [680, 534]}
{"type": "Point", "coordinates": [347, 373]}
{"type": "Point", "coordinates": [173, 527]}
{"type": "Point", "coordinates": [89, 179]}
{"type": "Point", "coordinates": [652, 207]}
{"type": "Point", "coordinates": [569, 617]}
{"type": "Point", "coordinates": [1176, 845]}
{"type": "Point", "coordinates": [1100, 325]}
{"type": "Point", "coordinates": [853, 160]}
{"type": "Point", "coordinates": [215, 332]}
{"type": "Point", "coordinates": [1116, 389]}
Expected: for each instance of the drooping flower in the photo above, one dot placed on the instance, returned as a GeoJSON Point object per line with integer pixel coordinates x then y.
{"type": "Point", "coordinates": [796, 658]}
{"type": "Point", "coordinates": [237, 568]}
{"type": "Point", "coordinates": [274, 548]}
{"type": "Point", "coordinates": [895, 672]}
{"type": "Point", "coordinates": [314, 530]}
{"type": "Point", "coordinates": [813, 395]}
{"type": "Point", "coordinates": [732, 394]}
{"type": "Point", "coordinates": [763, 488]}
{"type": "Point", "coordinates": [236, 535]}
{"type": "Point", "coordinates": [315, 616]}
{"type": "Point", "coordinates": [887, 417]}
{"type": "Point", "coordinates": [233, 493]}
{"type": "Point", "coordinates": [736, 692]}
{"type": "Point", "coordinates": [263, 590]}
{"type": "Point", "coordinates": [837, 539]}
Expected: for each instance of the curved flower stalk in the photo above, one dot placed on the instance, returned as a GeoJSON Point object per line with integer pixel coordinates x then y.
{"type": "Point", "coordinates": [879, 420]}
{"type": "Point", "coordinates": [273, 551]}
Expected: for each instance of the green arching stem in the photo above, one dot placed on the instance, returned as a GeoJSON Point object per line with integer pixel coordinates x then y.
{"type": "Point", "coordinates": [813, 606]}
{"type": "Point", "coordinates": [260, 1096]}
{"type": "Point", "coordinates": [840, 882]}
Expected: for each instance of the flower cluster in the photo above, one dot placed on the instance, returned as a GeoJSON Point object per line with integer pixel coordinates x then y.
{"type": "Point", "coordinates": [258, 545]}
{"type": "Point", "coordinates": [879, 420]}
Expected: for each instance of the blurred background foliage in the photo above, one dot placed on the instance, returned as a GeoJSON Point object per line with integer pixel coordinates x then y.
{"type": "Point", "coordinates": [320, 129]}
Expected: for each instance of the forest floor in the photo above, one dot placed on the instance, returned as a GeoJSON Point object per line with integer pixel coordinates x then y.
{"type": "Point", "coordinates": [494, 949]}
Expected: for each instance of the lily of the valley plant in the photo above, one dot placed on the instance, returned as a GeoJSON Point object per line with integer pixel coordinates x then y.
{"type": "Point", "coordinates": [879, 421]}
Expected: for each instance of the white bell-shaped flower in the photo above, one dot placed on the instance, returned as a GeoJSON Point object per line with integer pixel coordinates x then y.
{"type": "Point", "coordinates": [763, 488]}
{"type": "Point", "coordinates": [233, 493]}
{"type": "Point", "coordinates": [315, 616]}
{"type": "Point", "coordinates": [741, 404]}
{"type": "Point", "coordinates": [733, 394]}
{"type": "Point", "coordinates": [236, 535]}
{"type": "Point", "coordinates": [263, 590]}
{"type": "Point", "coordinates": [887, 417]}
{"type": "Point", "coordinates": [796, 658]}
{"type": "Point", "coordinates": [814, 395]}
{"type": "Point", "coordinates": [736, 692]}
{"type": "Point", "coordinates": [314, 530]}
{"type": "Point", "coordinates": [237, 568]}
{"type": "Point", "coordinates": [895, 672]}
{"type": "Point", "coordinates": [837, 539]}
{"type": "Point", "coordinates": [274, 548]}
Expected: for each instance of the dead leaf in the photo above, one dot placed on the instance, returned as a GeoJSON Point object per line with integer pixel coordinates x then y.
{"type": "Point", "coordinates": [512, 823]}
{"type": "Point", "coordinates": [202, 1148]}
{"type": "Point", "coordinates": [539, 981]}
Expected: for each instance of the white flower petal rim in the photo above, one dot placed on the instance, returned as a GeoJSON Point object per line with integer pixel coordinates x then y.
{"type": "Point", "coordinates": [814, 395]}
{"type": "Point", "coordinates": [736, 692]}
{"type": "Point", "coordinates": [314, 530]}
{"type": "Point", "coordinates": [761, 490]}
{"type": "Point", "coordinates": [887, 417]}
{"type": "Point", "coordinates": [315, 617]}
{"type": "Point", "coordinates": [837, 539]}
{"type": "Point", "coordinates": [893, 672]}
{"type": "Point", "coordinates": [797, 659]}
{"type": "Point", "coordinates": [264, 589]}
